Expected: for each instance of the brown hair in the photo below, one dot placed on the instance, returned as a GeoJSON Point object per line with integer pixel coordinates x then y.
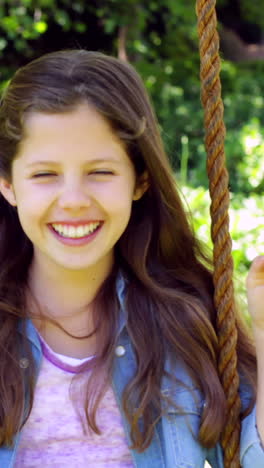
{"type": "Point", "coordinates": [169, 297]}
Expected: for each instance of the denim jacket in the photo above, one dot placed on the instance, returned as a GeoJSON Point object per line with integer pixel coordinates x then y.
{"type": "Point", "coordinates": [174, 444]}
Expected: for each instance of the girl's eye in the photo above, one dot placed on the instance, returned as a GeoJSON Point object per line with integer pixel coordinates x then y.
{"type": "Point", "coordinates": [99, 172]}
{"type": "Point", "coordinates": [43, 174]}
{"type": "Point", "coordinates": [102, 172]}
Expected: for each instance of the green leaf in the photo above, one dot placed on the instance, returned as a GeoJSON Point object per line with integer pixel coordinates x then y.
{"type": "Point", "coordinates": [41, 27]}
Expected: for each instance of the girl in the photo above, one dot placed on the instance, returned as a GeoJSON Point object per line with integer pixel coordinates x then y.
{"type": "Point", "coordinates": [108, 342]}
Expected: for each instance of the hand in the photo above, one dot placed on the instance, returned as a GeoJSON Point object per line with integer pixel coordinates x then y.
{"type": "Point", "coordinates": [255, 293]}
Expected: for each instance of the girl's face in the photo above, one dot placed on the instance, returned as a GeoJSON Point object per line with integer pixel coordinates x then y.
{"type": "Point", "coordinates": [73, 184]}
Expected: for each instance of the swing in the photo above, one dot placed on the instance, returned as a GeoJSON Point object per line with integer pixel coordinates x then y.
{"type": "Point", "coordinates": [218, 188]}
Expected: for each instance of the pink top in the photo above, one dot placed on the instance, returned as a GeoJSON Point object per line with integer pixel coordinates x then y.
{"type": "Point", "coordinates": [53, 436]}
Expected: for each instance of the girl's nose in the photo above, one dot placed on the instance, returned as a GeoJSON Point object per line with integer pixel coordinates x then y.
{"type": "Point", "coordinates": [74, 196]}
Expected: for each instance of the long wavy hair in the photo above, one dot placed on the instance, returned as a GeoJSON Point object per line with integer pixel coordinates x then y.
{"type": "Point", "coordinates": [169, 298]}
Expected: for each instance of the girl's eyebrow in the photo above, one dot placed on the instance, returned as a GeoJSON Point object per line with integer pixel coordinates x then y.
{"type": "Point", "coordinates": [88, 162]}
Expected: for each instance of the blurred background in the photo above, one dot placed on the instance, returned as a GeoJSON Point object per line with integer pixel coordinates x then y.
{"type": "Point", "coordinates": [159, 37]}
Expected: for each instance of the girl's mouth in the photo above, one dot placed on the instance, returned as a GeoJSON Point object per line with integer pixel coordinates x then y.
{"type": "Point", "coordinates": [75, 235]}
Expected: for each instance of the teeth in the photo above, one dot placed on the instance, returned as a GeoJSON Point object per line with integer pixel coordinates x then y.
{"type": "Point", "coordinates": [75, 232]}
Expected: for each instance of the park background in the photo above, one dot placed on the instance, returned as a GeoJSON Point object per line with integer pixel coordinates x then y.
{"type": "Point", "coordinates": [159, 37]}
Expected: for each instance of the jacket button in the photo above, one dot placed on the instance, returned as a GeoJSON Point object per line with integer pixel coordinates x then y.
{"type": "Point", "coordinates": [120, 351]}
{"type": "Point", "coordinates": [23, 363]}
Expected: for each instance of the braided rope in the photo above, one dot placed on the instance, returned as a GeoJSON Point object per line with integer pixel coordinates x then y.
{"type": "Point", "coordinates": [218, 187]}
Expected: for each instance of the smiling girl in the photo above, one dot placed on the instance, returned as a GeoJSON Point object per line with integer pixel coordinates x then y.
{"type": "Point", "coordinates": [108, 342]}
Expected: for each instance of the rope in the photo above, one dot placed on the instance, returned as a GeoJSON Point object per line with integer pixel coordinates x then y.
{"type": "Point", "coordinates": [223, 262]}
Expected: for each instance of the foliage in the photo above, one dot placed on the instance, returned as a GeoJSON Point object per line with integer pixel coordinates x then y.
{"type": "Point", "coordinates": [252, 10]}
{"type": "Point", "coordinates": [180, 114]}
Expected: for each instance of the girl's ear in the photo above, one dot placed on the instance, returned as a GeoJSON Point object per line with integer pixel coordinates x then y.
{"type": "Point", "coordinates": [6, 189]}
{"type": "Point", "coordinates": [142, 186]}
